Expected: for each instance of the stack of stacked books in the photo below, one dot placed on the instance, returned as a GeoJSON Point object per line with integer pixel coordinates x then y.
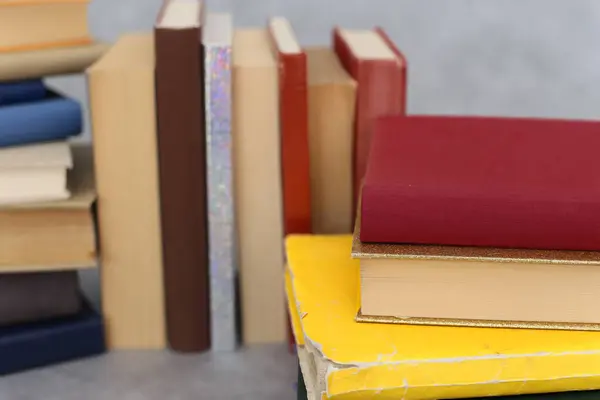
{"type": "Point", "coordinates": [47, 230]}
{"type": "Point", "coordinates": [472, 269]}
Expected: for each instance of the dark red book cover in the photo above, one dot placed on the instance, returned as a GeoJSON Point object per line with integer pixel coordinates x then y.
{"type": "Point", "coordinates": [293, 91]}
{"type": "Point", "coordinates": [381, 91]}
{"type": "Point", "coordinates": [493, 182]}
{"type": "Point", "coordinates": [182, 172]}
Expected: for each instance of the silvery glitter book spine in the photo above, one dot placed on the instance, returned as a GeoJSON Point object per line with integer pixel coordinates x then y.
{"type": "Point", "coordinates": [221, 220]}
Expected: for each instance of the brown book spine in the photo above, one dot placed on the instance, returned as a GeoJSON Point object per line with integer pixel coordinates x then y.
{"type": "Point", "coordinates": [182, 169]}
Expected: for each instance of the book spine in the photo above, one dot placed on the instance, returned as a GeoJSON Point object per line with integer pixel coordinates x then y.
{"type": "Point", "coordinates": [21, 91]}
{"type": "Point", "coordinates": [42, 344]}
{"type": "Point", "coordinates": [182, 167]}
{"type": "Point", "coordinates": [221, 210]}
{"type": "Point", "coordinates": [46, 120]}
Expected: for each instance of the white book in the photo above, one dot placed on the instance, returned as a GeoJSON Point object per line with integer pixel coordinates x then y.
{"type": "Point", "coordinates": [34, 173]}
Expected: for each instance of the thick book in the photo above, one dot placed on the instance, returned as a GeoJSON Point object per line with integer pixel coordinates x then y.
{"type": "Point", "coordinates": [494, 182]}
{"type": "Point", "coordinates": [217, 40]}
{"type": "Point", "coordinates": [258, 190]}
{"type": "Point", "coordinates": [331, 105]}
{"type": "Point", "coordinates": [53, 341]}
{"type": "Point", "coordinates": [49, 62]}
{"type": "Point", "coordinates": [53, 118]}
{"type": "Point", "coordinates": [62, 232]}
{"type": "Point", "coordinates": [40, 24]}
{"type": "Point", "coordinates": [36, 296]}
{"type": "Point", "coordinates": [122, 97]}
{"type": "Point", "coordinates": [359, 360]}
{"type": "Point", "coordinates": [35, 172]}
{"type": "Point", "coordinates": [293, 120]}
{"type": "Point", "coordinates": [379, 69]}
{"type": "Point", "coordinates": [21, 91]}
{"type": "Point", "coordinates": [182, 167]}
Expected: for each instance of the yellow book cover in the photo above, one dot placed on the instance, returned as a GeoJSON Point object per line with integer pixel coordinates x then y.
{"type": "Point", "coordinates": [357, 360]}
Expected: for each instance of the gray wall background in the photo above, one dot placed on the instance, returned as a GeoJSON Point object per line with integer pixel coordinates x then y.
{"type": "Point", "coordinates": [536, 58]}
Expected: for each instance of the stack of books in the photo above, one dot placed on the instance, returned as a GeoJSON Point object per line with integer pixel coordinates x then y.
{"type": "Point", "coordinates": [47, 193]}
{"type": "Point", "coordinates": [472, 268]}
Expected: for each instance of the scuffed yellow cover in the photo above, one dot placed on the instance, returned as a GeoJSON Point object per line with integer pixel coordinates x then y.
{"type": "Point", "coordinates": [421, 362]}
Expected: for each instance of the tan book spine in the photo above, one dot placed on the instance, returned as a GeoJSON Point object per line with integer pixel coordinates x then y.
{"type": "Point", "coordinates": [258, 191]}
{"type": "Point", "coordinates": [331, 104]}
{"type": "Point", "coordinates": [121, 87]}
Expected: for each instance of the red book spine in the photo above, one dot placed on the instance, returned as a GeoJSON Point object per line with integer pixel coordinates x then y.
{"type": "Point", "coordinates": [381, 91]}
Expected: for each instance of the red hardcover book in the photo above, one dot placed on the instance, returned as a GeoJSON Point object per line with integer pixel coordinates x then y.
{"type": "Point", "coordinates": [493, 182]}
{"type": "Point", "coordinates": [182, 168]}
{"type": "Point", "coordinates": [379, 68]}
{"type": "Point", "coordinates": [294, 126]}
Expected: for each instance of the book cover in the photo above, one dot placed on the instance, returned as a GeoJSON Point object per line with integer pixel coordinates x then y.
{"type": "Point", "coordinates": [258, 190]}
{"type": "Point", "coordinates": [21, 91]}
{"type": "Point", "coordinates": [48, 62]}
{"type": "Point", "coordinates": [475, 181]}
{"type": "Point", "coordinates": [416, 362]}
{"type": "Point", "coordinates": [182, 171]}
{"type": "Point", "coordinates": [49, 342]}
{"type": "Point", "coordinates": [53, 118]}
{"type": "Point", "coordinates": [379, 69]}
{"type": "Point", "coordinates": [293, 117]}
{"type": "Point", "coordinates": [122, 96]}
{"type": "Point", "coordinates": [217, 40]}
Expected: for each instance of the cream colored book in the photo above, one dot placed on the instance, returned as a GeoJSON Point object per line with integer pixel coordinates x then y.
{"type": "Point", "coordinates": [38, 24]}
{"type": "Point", "coordinates": [121, 87]}
{"type": "Point", "coordinates": [257, 186]}
{"type": "Point", "coordinates": [331, 103]}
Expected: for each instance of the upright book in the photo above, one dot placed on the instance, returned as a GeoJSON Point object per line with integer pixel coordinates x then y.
{"type": "Point", "coordinates": [122, 93]}
{"type": "Point", "coordinates": [39, 24]}
{"type": "Point", "coordinates": [492, 182]}
{"type": "Point", "coordinates": [217, 40]}
{"type": "Point", "coordinates": [379, 69]}
{"type": "Point", "coordinates": [293, 116]}
{"type": "Point", "coordinates": [258, 192]}
{"type": "Point", "coordinates": [182, 166]}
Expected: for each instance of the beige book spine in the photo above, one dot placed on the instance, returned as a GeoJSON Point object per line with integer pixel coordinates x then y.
{"type": "Point", "coordinates": [258, 198]}
{"type": "Point", "coordinates": [124, 136]}
{"type": "Point", "coordinates": [331, 108]}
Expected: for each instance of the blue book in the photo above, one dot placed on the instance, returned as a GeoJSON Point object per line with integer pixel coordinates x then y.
{"type": "Point", "coordinates": [53, 118]}
{"type": "Point", "coordinates": [50, 342]}
{"type": "Point", "coordinates": [22, 91]}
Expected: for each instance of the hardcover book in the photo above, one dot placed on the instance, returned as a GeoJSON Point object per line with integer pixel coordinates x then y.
{"type": "Point", "coordinates": [62, 232]}
{"type": "Point", "coordinates": [331, 105]}
{"type": "Point", "coordinates": [122, 95]}
{"type": "Point", "coordinates": [356, 360]}
{"type": "Point", "coordinates": [217, 40]}
{"type": "Point", "coordinates": [182, 172]}
{"type": "Point", "coordinates": [21, 91]}
{"type": "Point", "coordinates": [492, 182]}
{"type": "Point", "coordinates": [39, 24]}
{"type": "Point", "coordinates": [293, 117]}
{"type": "Point", "coordinates": [49, 342]}
{"type": "Point", "coordinates": [258, 191]}
{"type": "Point", "coordinates": [379, 69]}
{"type": "Point", "coordinates": [48, 62]}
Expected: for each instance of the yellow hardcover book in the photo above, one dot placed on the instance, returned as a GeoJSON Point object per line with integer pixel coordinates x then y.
{"type": "Point", "coordinates": [358, 360]}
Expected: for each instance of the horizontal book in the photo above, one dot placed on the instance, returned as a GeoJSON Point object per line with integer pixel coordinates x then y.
{"type": "Point", "coordinates": [38, 24]}
{"type": "Point", "coordinates": [477, 286]}
{"type": "Point", "coordinates": [52, 341]}
{"type": "Point", "coordinates": [48, 62]}
{"type": "Point", "coordinates": [29, 297]}
{"type": "Point", "coordinates": [492, 182]}
{"type": "Point", "coordinates": [61, 232]}
{"type": "Point", "coordinates": [53, 118]}
{"type": "Point", "coordinates": [357, 360]}
{"type": "Point", "coordinates": [34, 173]}
{"type": "Point", "coordinates": [21, 91]}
